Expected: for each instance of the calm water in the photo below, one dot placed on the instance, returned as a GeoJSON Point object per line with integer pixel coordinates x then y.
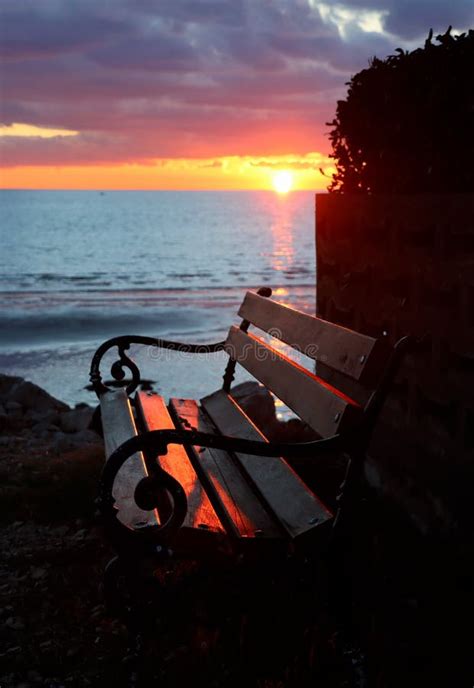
{"type": "Point", "coordinates": [77, 267]}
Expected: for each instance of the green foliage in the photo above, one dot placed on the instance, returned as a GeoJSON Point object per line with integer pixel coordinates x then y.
{"type": "Point", "coordinates": [407, 124]}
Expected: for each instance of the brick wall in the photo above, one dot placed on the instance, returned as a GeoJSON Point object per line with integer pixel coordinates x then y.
{"type": "Point", "coordinates": [406, 265]}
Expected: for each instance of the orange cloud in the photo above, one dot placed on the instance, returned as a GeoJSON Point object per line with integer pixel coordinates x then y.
{"type": "Point", "coordinates": [231, 172]}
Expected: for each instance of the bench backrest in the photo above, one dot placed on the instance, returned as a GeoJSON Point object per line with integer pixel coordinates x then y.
{"type": "Point", "coordinates": [354, 359]}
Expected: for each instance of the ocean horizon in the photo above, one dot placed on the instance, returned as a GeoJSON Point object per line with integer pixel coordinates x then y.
{"type": "Point", "coordinates": [79, 267]}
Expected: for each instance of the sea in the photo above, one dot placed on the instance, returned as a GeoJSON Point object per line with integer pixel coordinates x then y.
{"type": "Point", "coordinates": [80, 267]}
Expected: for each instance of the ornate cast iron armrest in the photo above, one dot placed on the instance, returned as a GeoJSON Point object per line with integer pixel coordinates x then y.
{"type": "Point", "coordinates": [147, 492]}
{"type": "Point", "coordinates": [123, 344]}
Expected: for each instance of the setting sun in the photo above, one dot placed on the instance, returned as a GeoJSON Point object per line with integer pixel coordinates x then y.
{"type": "Point", "coordinates": [282, 182]}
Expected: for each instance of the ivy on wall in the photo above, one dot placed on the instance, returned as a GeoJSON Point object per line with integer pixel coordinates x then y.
{"type": "Point", "coordinates": [407, 123]}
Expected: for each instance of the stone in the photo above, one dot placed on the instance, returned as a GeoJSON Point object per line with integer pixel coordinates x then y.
{"type": "Point", "coordinates": [6, 384]}
{"type": "Point", "coordinates": [43, 428]}
{"type": "Point", "coordinates": [50, 417]}
{"type": "Point", "coordinates": [76, 420]}
{"type": "Point", "coordinates": [5, 420]}
{"type": "Point", "coordinates": [33, 675]}
{"type": "Point", "coordinates": [31, 396]}
{"type": "Point", "coordinates": [257, 402]}
{"type": "Point", "coordinates": [80, 534]}
{"type": "Point", "coordinates": [63, 442]}
{"type": "Point", "coordinates": [14, 409]}
{"type": "Point", "coordinates": [37, 572]}
{"type": "Point", "coordinates": [15, 623]}
{"type": "Point", "coordinates": [86, 437]}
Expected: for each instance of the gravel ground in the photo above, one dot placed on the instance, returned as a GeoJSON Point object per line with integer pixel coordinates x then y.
{"type": "Point", "coordinates": [411, 610]}
{"type": "Point", "coordinates": [55, 630]}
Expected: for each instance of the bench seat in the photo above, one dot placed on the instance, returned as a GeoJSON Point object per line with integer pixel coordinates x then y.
{"type": "Point", "coordinates": [233, 499]}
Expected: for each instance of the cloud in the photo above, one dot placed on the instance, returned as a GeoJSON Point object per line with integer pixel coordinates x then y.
{"type": "Point", "coordinates": [141, 80]}
{"type": "Point", "coordinates": [19, 130]}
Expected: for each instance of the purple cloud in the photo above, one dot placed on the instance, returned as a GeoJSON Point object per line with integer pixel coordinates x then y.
{"type": "Point", "coordinates": [141, 79]}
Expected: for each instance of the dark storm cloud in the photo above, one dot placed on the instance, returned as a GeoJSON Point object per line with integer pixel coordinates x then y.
{"type": "Point", "coordinates": [143, 79]}
{"type": "Point", "coordinates": [45, 29]}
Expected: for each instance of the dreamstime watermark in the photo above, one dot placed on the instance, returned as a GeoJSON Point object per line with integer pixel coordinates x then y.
{"type": "Point", "coordinates": [250, 349]}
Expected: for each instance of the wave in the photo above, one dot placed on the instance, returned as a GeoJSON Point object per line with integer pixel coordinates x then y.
{"type": "Point", "coordinates": [72, 325]}
{"type": "Point", "coordinates": [39, 318]}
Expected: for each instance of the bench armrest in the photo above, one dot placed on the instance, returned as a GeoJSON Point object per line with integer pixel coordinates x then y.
{"type": "Point", "coordinates": [147, 491]}
{"type": "Point", "coordinates": [125, 362]}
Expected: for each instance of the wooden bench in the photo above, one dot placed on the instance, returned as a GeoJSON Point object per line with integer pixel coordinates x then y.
{"type": "Point", "coordinates": [200, 478]}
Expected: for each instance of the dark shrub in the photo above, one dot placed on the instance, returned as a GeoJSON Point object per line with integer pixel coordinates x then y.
{"type": "Point", "coordinates": [407, 124]}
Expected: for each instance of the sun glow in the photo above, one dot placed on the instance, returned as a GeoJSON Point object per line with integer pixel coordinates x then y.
{"type": "Point", "coordinates": [282, 182]}
{"type": "Point", "coordinates": [229, 172]}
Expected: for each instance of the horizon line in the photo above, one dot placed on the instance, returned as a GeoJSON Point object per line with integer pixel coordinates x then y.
{"type": "Point", "coordinates": [109, 190]}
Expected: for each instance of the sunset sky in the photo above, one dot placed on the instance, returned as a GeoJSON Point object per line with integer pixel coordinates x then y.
{"type": "Point", "coordinates": [191, 94]}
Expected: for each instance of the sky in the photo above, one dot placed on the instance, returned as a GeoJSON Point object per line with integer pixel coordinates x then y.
{"type": "Point", "coordinates": [188, 94]}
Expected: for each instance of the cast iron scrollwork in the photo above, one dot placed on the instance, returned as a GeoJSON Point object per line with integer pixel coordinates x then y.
{"type": "Point", "coordinates": [147, 492]}
{"type": "Point", "coordinates": [124, 362]}
{"type": "Point", "coordinates": [147, 496]}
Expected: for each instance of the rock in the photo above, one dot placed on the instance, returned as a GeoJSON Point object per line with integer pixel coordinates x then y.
{"type": "Point", "coordinates": [43, 428]}
{"type": "Point", "coordinates": [37, 572]}
{"type": "Point", "coordinates": [76, 420]}
{"type": "Point", "coordinates": [15, 623]}
{"type": "Point", "coordinates": [6, 384]}
{"type": "Point", "coordinates": [62, 442]}
{"type": "Point", "coordinates": [5, 422]}
{"type": "Point", "coordinates": [31, 396]}
{"type": "Point", "coordinates": [257, 402]}
{"type": "Point", "coordinates": [33, 675]}
{"type": "Point", "coordinates": [293, 430]}
{"type": "Point", "coordinates": [86, 437]}
{"type": "Point", "coordinates": [14, 409]}
{"type": "Point", "coordinates": [80, 534]}
{"type": "Point", "coordinates": [46, 417]}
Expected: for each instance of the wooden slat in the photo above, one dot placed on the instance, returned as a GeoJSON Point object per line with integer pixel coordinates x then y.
{"type": "Point", "coordinates": [201, 515]}
{"type": "Point", "coordinates": [119, 425]}
{"type": "Point", "coordinates": [349, 352]}
{"type": "Point", "coordinates": [299, 511]}
{"type": "Point", "coordinates": [321, 406]}
{"type": "Point", "coordinates": [234, 499]}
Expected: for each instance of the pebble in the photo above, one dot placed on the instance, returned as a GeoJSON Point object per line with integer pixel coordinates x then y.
{"type": "Point", "coordinates": [37, 572]}
{"type": "Point", "coordinates": [14, 408]}
{"type": "Point", "coordinates": [80, 534]}
{"type": "Point", "coordinates": [12, 650]}
{"type": "Point", "coordinates": [33, 675]}
{"type": "Point", "coordinates": [15, 623]}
